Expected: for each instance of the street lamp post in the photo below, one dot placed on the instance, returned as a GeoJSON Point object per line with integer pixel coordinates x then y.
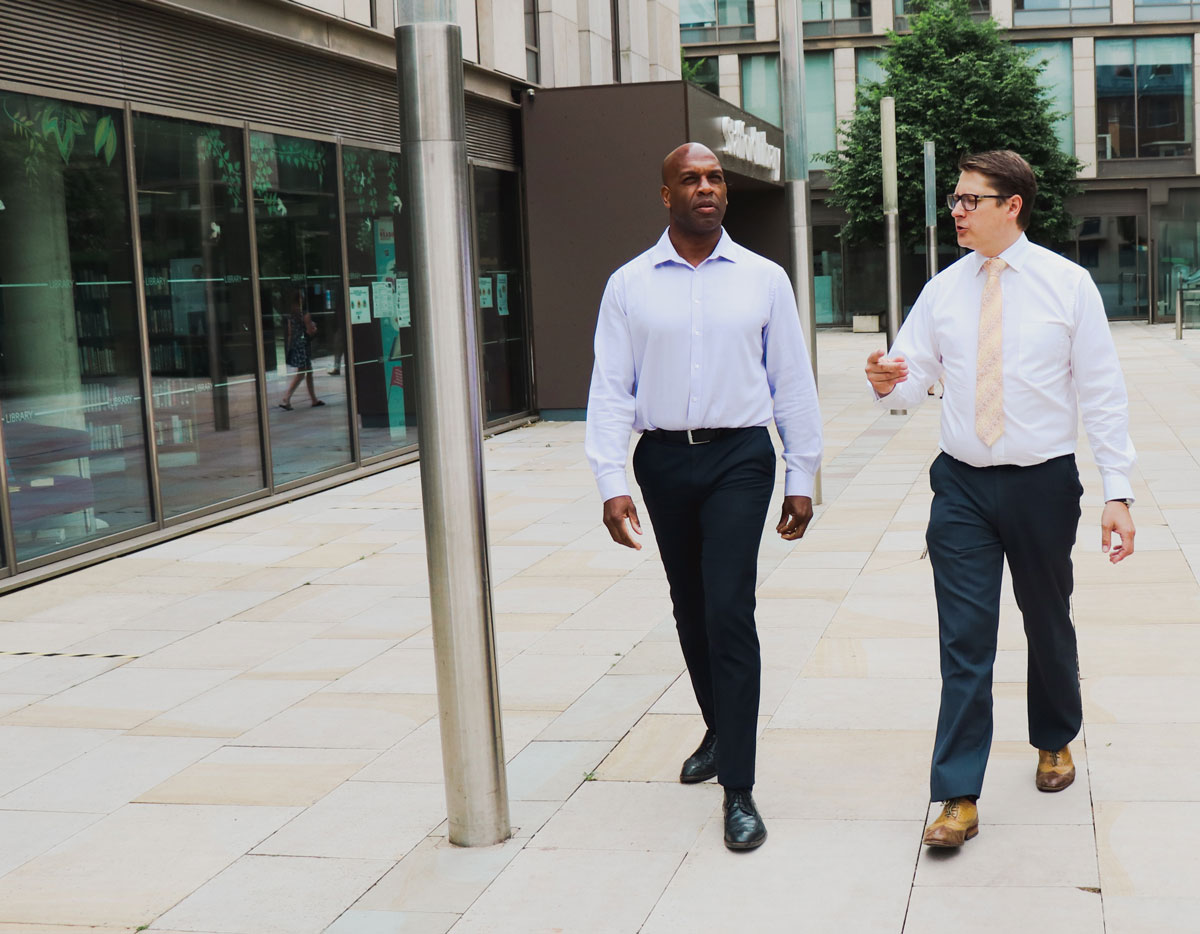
{"type": "Point", "coordinates": [432, 123]}
{"type": "Point", "coordinates": [795, 165]}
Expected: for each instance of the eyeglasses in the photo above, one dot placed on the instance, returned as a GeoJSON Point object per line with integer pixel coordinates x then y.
{"type": "Point", "coordinates": [970, 202]}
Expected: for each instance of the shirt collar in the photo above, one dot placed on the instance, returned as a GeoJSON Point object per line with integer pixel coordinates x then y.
{"type": "Point", "coordinates": [664, 251]}
{"type": "Point", "coordinates": [1014, 256]}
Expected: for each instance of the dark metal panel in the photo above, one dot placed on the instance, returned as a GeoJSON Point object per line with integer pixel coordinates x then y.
{"type": "Point", "coordinates": [154, 57]}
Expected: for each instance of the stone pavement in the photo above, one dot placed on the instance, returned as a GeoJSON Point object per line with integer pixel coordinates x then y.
{"type": "Point", "coordinates": [263, 755]}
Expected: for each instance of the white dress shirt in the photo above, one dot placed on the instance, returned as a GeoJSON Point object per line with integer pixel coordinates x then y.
{"type": "Point", "coordinates": [1059, 359]}
{"type": "Point", "coordinates": [718, 345]}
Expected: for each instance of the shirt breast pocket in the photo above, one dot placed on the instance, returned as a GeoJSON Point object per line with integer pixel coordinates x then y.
{"type": "Point", "coordinates": [1045, 351]}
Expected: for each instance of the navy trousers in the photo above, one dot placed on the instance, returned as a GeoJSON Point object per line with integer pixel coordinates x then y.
{"type": "Point", "coordinates": [979, 516]}
{"type": "Point", "coordinates": [708, 503]}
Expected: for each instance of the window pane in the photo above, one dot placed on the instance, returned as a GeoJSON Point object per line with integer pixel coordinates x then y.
{"type": "Point", "coordinates": [501, 293]}
{"type": "Point", "coordinates": [706, 75]}
{"type": "Point", "coordinates": [199, 305]}
{"type": "Point", "coordinates": [820, 113]}
{"type": "Point", "coordinates": [867, 65]}
{"type": "Point", "coordinates": [697, 12]}
{"type": "Point", "coordinates": [1164, 91]}
{"type": "Point", "coordinates": [735, 12]}
{"type": "Point", "coordinates": [70, 363]}
{"type": "Point", "coordinates": [380, 314]}
{"type": "Point", "coordinates": [300, 276]}
{"type": "Point", "coordinates": [1115, 124]}
{"type": "Point", "coordinates": [1057, 78]}
{"type": "Point", "coordinates": [760, 87]}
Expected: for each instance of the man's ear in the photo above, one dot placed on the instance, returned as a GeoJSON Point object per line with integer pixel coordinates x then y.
{"type": "Point", "coordinates": [1015, 203]}
{"type": "Point", "coordinates": [666, 196]}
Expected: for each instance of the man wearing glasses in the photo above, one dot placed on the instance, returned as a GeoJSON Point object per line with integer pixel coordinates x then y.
{"type": "Point", "coordinates": [1019, 335]}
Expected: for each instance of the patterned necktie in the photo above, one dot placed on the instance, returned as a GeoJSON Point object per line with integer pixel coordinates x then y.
{"type": "Point", "coordinates": [989, 373]}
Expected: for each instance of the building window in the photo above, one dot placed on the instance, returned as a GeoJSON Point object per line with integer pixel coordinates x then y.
{"type": "Point", "coordinates": [1056, 79]}
{"type": "Point", "coordinates": [1149, 11]}
{"type": "Point", "coordinates": [868, 67]}
{"type": "Point", "coordinates": [820, 110]}
{"type": "Point", "coordinates": [715, 20]}
{"type": "Point", "coordinates": [704, 73]}
{"type": "Point", "coordinates": [760, 87]}
{"type": "Point", "coordinates": [836, 17]}
{"type": "Point", "coordinates": [533, 69]}
{"type": "Point", "coordinates": [1052, 12]}
{"type": "Point", "coordinates": [71, 371]}
{"type": "Point", "coordinates": [1144, 97]}
{"type": "Point", "coordinates": [980, 10]}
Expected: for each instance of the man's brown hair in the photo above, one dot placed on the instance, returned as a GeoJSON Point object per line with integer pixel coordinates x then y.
{"type": "Point", "coordinates": [1009, 174]}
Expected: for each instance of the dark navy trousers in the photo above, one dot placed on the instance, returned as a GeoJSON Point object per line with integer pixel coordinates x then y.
{"type": "Point", "coordinates": [980, 516]}
{"type": "Point", "coordinates": [708, 503]}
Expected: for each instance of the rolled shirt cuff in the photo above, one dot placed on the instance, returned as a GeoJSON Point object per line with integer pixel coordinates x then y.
{"type": "Point", "coordinates": [612, 484]}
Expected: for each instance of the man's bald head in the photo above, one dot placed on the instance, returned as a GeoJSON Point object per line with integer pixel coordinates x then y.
{"type": "Point", "coordinates": [681, 154]}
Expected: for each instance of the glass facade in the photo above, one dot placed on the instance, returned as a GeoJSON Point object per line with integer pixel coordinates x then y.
{"type": "Point", "coordinates": [715, 20]}
{"type": "Point", "coordinates": [868, 67]}
{"type": "Point", "coordinates": [820, 111]}
{"type": "Point", "coordinates": [191, 204]}
{"type": "Point", "coordinates": [760, 87]}
{"type": "Point", "coordinates": [1151, 11]}
{"type": "Point", "coordinates": [1113, 249]}
{"type": "Point", "coordinates": [1144, 97]}
{"type": "Point", "coordinates": [71, 387]}
{"type": "Point", "coordinates": [179, 330]}
{"type": "Point", "coordinates": [1057, 79]}
{"type": "Point", "coordinates": [836, 17]}
{"type": "Point", "coordinates": [979, 9]}
{"type": "Point", "coordinates": [1055, 12]}
{"type": "Point", "coordinates": [1176, 226]}
{"type": "Point", "coordinates": [706, 73]}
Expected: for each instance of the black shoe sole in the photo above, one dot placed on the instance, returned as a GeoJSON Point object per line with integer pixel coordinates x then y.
{"type": "Point", "coordinates": [750, 845]}
{"type": "Point", "coordinates": [697, 778]}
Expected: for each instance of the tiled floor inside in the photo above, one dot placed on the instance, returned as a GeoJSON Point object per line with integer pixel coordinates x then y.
{"type": "Point", "coordinates": [264, 756]}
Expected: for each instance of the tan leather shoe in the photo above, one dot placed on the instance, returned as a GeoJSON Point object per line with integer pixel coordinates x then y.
{"type": "Point", "coordinates": [1055, 770]}
{"type": "Point", "coordinates": [958, 823]}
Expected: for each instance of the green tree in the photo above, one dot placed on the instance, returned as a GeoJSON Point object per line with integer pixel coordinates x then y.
{"type": "Point", "coordinates": [959, 83]}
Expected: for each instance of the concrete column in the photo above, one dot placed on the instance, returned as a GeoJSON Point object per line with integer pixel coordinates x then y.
{"type": "Point", "coordinates": [729, 74]}
{"type": "Point", "coordinates": [1195, 98]}
{"type": "Point", "coordinates": [883, 17]}
{"type": "Point", "coordinates": [502, 35]}
{"type": "Point", "coordinates": [635, 40]}
{"type": "Point", "coordinates": [1002, 12]}
{"type": "Point", "coordinates": [595, 41]}
{"type": "Point", "coordinates": [766, 22]}
{"type": "Point", "coordinates": [558, 43]}
{"type": "Point", "coordinates": [1083, 73]}
{"type": "Point", "coordinates": [844, 83]}
{"type": "Point", "coordinates": [1122, 11]}
{"type": "Point", "coordinates": [664, 40]}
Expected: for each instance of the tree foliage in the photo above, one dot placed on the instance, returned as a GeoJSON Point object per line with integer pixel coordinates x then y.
{"type": "Point", "coordinates": [959, 83]}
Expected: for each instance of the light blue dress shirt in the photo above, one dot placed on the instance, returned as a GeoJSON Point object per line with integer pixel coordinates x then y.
{"type": "Point", "coordinates": [1059, 363]}
{"type": "Point", "coordinates": [718, 345]}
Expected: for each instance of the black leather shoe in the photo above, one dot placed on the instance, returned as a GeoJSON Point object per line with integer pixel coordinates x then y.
{"type": "Point", "coordinates": [744, 829]}
{"type": "Point", "coordinates": [701, 765]}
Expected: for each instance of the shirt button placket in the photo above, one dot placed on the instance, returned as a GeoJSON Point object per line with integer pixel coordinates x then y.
{"type": "Point", "coordinates": [697, 354]}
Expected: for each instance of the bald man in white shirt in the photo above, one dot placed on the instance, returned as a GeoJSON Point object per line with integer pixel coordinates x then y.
{"type": "Point", "coordinates": [698, 347]}
{"type": "Point", "coordinates": [1020, 338]}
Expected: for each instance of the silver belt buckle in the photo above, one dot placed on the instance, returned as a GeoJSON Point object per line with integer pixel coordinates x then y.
{"type": "Point", "coordinates": [692, 441]}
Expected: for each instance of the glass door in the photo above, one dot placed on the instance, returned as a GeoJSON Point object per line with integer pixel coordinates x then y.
{"type": "Point", "coordinates": [1113, 248]}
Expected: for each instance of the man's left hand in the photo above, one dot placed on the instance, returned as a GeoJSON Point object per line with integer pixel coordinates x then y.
{"type": "Point", "coordinates": [1116, 518]}
{"type": "Point", "coordinates": [797, 513]}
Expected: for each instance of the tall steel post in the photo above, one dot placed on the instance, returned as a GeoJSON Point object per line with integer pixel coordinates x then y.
{"type": "Point", "coordinates": [931, 245]}
{"type": "Point", "coordinates": [430, 74]}
{"type": "Point", "coordinates": [891, 213]}
{"type": "Point", "coordinates": [795, 174]}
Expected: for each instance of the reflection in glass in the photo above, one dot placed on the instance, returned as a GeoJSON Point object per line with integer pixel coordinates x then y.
{"type": "Point", "coordinates": [1144, 97]}
{"type": "Point", "coordinates": [69, 349]}
{"type": "Point", "coordinates": [1177, 235]}
{"type": "Point", "coordinates": [199, 305]}
{"type": "Point", "coordinates": [1057, 79]}
{"type": "Point", "coordinates": [501, 293]}
{"type": "Point", "coordinates": [380, 316]}
{"type": "Point", "coordinates": [300, 275]}
{"type": "Point", "coordinates": [1113, 250]}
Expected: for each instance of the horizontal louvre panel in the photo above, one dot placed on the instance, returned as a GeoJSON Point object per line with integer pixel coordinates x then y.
{"type": "Point", "coordinates": [491, 132]}
{"type": "Point", "coordinates": [114, 49]}
{"type": "Point", "coordinates": [132, 52]}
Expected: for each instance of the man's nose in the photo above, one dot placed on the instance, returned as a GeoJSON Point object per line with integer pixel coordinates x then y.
{"type": "Point", "coordinates": [958, 210]}
{"type": "Point", "coordinates": [705, 183]}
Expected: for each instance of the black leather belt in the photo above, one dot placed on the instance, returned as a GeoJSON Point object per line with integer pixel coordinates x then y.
{"type": "Point", "coordinates": [691, 435]}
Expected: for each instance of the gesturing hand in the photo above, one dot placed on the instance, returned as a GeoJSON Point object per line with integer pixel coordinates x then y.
{"type": "Point", "coordinates": [616, 511]}
{"type": "Point", "coordinates": [1116, 518]}
{"type": "Point", "coordinates": [884, 373]}
{"type": "Point", "coordinates": [797, 513]}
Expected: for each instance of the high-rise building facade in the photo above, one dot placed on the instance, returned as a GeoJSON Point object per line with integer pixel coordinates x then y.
{"type": "Point", "coordinates": [204, 247]}
{"type": "Point", "coordinates": [1122, 70]}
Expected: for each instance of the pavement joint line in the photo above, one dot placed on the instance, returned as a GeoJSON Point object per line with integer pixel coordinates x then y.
{"type": "Point", "coordinates": [66, 654]}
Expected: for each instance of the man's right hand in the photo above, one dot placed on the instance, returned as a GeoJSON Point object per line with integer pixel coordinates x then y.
{"type": "Point", "coordinates": [616, 511]}
{"type": "Point", "coordinates": [884, 373]}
